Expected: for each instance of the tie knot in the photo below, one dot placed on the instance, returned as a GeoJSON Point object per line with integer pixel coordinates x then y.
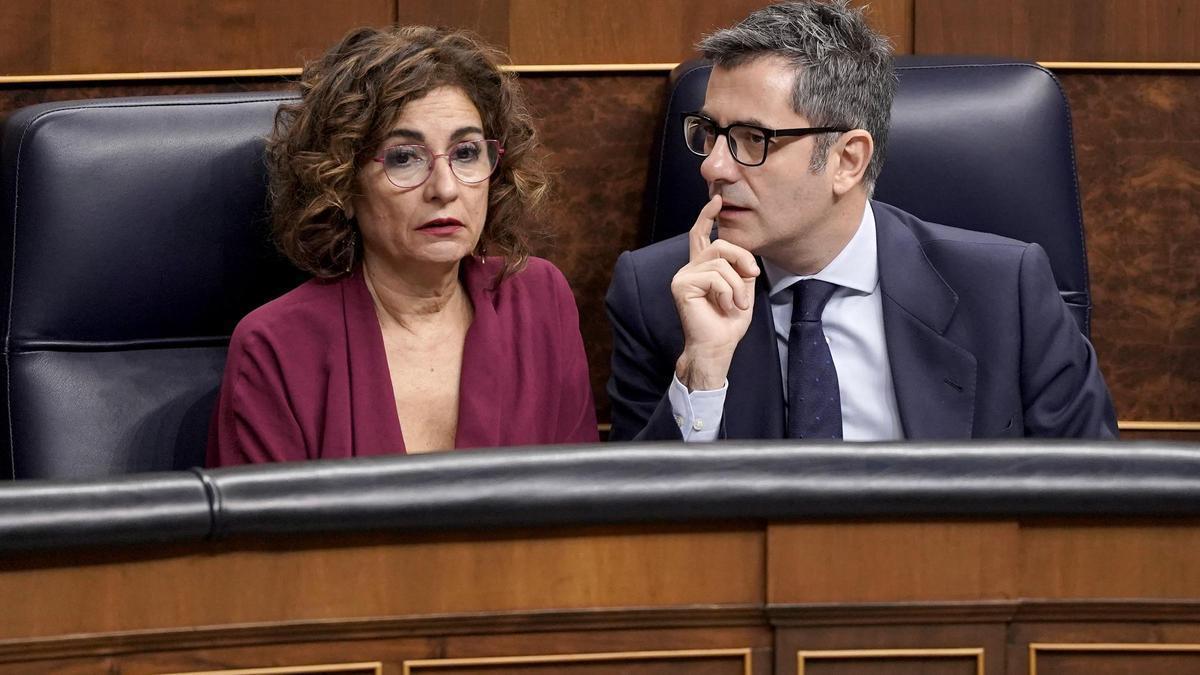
{"type": "Point", "coordinates": [808, 299]}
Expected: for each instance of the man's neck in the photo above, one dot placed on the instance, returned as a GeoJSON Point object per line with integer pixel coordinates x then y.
{"type": "Point", "coordinates": [813, 251]}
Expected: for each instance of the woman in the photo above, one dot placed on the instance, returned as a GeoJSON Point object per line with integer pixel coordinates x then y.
{"type": "Point", "coordinates": [409, 156]}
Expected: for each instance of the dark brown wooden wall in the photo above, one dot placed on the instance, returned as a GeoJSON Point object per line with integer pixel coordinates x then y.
{"type": "Point", "coordinates": [118, 36]}
{"type": "Point", "coordinates": [107, 36]}
{"type": "Point", "coordinates": [1060, 30]}
{"type": "Point", "coordinates": [112, 36]}
{"type": "Point", "coordinates": [1137, 131]}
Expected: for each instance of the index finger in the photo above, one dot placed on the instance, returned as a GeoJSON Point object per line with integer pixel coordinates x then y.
{"type": "Point", "coordinates": [700, 235]}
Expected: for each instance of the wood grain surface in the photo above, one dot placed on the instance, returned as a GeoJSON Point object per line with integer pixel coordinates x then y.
{"type": "Point", "coordinates": [1060, 30]}
{"type": "Point", "coordinates": [115, 36]}
{"type": "Point", "coordinates": [775, 589]}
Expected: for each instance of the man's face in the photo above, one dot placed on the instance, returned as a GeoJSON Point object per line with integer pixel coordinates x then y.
{"type": "Point", "coordinates": [770, 209]}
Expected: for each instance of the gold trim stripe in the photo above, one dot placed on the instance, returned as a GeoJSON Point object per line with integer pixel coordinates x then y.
{"type": "Point", "coordinates": [1157, 425]}
{"type": "Point", "coordinates": [582, 68]}
{"type": "Point", "coordinates": [953, 652]}
{"type": "Point", "coordinates": [595, 68]}
{"type": "Point", "coordinates": [1084, 647]}
{"type": "Point", "coordinates": [295, 72]}
{"type": "Point", "coordinates": [168, 75]}
{"type": "Point", "coordinates": [744, 653]}
{"type": "Point", "coordinates": [1119, 65]}
{"type": "Point", "coordinates": [375, 667]}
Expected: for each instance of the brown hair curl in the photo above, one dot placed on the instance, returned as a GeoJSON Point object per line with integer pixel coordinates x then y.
{"type": "Point", "coordinates": [350, 97]}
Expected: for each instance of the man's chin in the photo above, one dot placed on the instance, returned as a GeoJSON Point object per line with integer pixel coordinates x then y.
{"type": "Point", "coordinates": [735, 235]}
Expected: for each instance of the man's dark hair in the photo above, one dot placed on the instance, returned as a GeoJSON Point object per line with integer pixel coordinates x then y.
{"type": "Point", "coordinates": [845, 74]}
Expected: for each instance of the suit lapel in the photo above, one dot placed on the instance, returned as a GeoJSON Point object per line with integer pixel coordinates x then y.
{"type": "Point", "coordinates": [754, 402]}
{"type": "Point", "coordinates": [934, 378]}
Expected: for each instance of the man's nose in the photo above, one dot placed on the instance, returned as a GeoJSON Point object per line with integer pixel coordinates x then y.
{"type": "Point", "coordinates": [720, 166]}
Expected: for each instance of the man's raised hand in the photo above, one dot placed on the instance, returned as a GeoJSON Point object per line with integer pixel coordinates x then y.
{"type": "Point", "coordinates": [714, 296]}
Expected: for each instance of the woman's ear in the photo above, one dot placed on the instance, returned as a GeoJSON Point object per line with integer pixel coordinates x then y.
{"type": "Point", "coordinates": [851, 157]}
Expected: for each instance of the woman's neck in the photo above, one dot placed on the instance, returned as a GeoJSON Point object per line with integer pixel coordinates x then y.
{"type": "Point", "coordinates": [418, 296]}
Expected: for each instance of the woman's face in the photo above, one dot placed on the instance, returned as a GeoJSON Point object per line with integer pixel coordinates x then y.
{"type": "Point", "coordinates": [440, 220]}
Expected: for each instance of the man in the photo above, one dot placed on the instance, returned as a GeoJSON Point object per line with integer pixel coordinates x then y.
{"type": "Point", "coordinates": [818, 313]}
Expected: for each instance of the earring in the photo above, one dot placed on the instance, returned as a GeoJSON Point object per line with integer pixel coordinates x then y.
{"type": "Point", "coordinates": [349, 250]}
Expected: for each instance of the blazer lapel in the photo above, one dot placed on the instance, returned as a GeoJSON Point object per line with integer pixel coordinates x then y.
{"type": "Point", "coordinates": [934, 378]}
{"type": "Point", "coordinates": [374, 425]}
{"type": "Point", "coordinates": [483, 402]}
{"type": "Point", "coordinates": [754, 402]}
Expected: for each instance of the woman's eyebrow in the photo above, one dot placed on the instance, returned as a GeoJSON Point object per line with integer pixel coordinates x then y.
{"type": "Point", "coordinates": [465, 131]}
{"type": "Point", "coordinates": [413, 134]}
{"type": "Point", "coordinates": [401, 132]}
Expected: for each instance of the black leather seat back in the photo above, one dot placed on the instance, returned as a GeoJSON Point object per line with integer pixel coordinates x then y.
{"type": "Point", "coordinates": [978, 144]}
{"type": "Point", "coordinates": [136, 238]}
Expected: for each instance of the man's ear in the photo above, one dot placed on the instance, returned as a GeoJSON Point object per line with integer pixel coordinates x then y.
{"type": "Point", "coordinates": [850, 157]}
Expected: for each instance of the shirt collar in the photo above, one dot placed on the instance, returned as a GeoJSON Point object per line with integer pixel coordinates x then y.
{"type": "Point", "coordinates": [856, 267]}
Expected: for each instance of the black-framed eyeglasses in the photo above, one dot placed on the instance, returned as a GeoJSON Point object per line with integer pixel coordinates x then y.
{"type": "Point", "coordinates": [747, 143]}
{"type": "Point", "coordinates": [410, 165]}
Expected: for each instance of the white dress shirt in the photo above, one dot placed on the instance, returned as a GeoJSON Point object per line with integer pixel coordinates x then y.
{"type": "Point", "coordinates": [853, 325]}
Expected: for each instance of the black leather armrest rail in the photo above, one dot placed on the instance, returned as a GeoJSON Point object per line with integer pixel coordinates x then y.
{"type": "Point", "coordinates": [160, 507]}
{"type": "Point", "coordinates": [531, 487]}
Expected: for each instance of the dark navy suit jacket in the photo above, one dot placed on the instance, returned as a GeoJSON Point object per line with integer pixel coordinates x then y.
{"type": "Point", "coordinates": [980, 342]}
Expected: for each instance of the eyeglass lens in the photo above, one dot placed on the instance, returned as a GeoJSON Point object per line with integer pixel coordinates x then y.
{"type": "Point", "coordinates": [747, 144]}
{"type": "Point", "coordinates": [470, 161]}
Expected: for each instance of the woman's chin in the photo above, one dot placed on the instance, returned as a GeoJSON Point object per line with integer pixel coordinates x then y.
{"type": "Point", "coordinates": [440, 253]}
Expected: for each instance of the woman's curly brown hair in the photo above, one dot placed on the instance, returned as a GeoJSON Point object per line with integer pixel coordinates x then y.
{"type": "Point", "coordinates": [349, 100]}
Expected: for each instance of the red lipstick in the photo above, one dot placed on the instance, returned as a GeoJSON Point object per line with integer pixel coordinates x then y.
{"type": "Point", "coordinates": [441, 226]}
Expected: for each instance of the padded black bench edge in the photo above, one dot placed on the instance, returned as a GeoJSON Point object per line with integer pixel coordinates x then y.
{"type": "Point", "coordinates": [611, 484]}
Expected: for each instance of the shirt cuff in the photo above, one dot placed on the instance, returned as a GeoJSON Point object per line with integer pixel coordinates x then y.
{"type": "Point", "coordinates": [698, 413]}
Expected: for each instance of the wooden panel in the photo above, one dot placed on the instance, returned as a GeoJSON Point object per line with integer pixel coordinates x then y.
{"type": "Point", "coordinates": [868, 662]}
{"type": "Point", "coordinates": [25, 37]}
{"type": "Point", "coordinates": [1137, 141]}
{"type": "Point", "coordinates": [82, 36]}
{"type": "Point", "coordinates": [1110, 645]}
{"type": "Point", "coordinates": [893, 18]}
{"type": "Point", "coordinates": [878, 646]}
{"type": "Point", "coordinates": [79, 36]}
{"type": "Point", "coordinates": [1114, 659]}
{"type": "Point", "coordinates": [488, 18]}
{"type": "Point", "coordinates": [1141, 435]}
{"type": "Point", "coordinates": [480, 641]}
{"type": "Point", "coordinates": [1061, 30]}
{"type": "Point", "coordinates": [631, 667]}
{"type": "Point", "coordinates": [891, 562]}
{"type": "Point", "coordinates": [615, 31]}
{"type": "Point", "coordinates": [290, 579]}
{"type": "Point", "coordinates": [1135, 560]}
{"type": "Point", "coordinates": [599, 131]}
{"type": "Point", "coordinates": [896, 562]}
{"type": "Point", "coordinates": [693, 662]}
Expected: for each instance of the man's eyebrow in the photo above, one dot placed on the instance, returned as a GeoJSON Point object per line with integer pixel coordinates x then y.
{"type": "Point", "coordinates": [752, 121]}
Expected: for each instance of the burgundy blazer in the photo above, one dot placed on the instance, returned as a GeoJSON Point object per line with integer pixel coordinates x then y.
{"type": "Point", "coordinates": [307, 375]}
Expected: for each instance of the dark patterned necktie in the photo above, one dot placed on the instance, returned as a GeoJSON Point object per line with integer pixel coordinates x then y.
{"type": "Point", "coordinates": [814, 404]}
